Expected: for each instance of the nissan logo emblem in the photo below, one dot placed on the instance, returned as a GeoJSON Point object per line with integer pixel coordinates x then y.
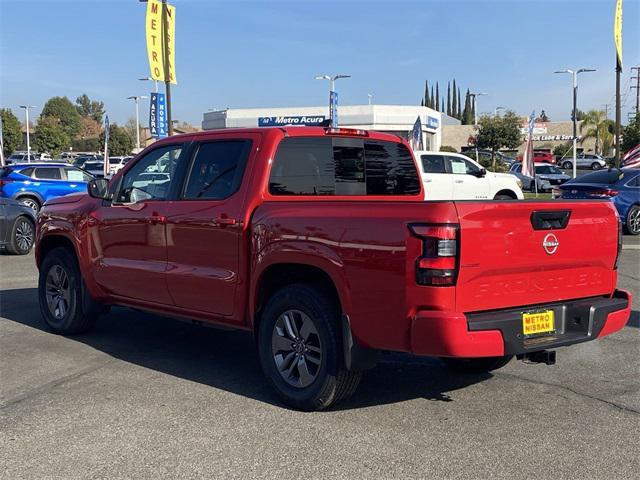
{"type": "Point", "coordinates": [550, 244]}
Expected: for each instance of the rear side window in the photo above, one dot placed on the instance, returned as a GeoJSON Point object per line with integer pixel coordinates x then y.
{"type": "Point", "coordinates": [48, 173]}
{"type": "Point", "coordinates": [433, 164]}
{"type": "Point", "coordinates": [217, 170]}
{"type": "Point", "coordinates": [319, 166]}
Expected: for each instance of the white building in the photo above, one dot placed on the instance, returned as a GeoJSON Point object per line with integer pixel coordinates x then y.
{"type": "Point", "coordinates": [395, 119]}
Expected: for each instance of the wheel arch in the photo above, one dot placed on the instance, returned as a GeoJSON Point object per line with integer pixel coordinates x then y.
{"type": "Point", "coordinates": [508, 192]}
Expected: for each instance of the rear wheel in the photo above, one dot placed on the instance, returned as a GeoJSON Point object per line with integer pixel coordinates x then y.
{"type": "Point", "coordinates": [595, 166]}
{"type": "Point", "coordinates": [299, 343]}
{"type": "Point", "coordinates": [503, 196]}
{"type": "Point", "coordinates": [567, 165]}
{"type": "Point", "coordinates": [65, 304]}
{"type": "Point", "coordinates": [633, 220]}
{"type": "Point", "coordinates": [30, 202]}
{"type": "Point", "coordinates": [22, 236]}
{"type": "Point", "coordinates": [476, 365]}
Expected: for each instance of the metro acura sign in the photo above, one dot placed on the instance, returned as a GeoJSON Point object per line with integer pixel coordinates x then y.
{"type": "Point", "coordinates": [290, 120]}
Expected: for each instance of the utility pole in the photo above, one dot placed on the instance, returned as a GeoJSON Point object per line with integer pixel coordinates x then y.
{"type": "Point", "coordinates": [26, 112]}
{"type": "Point", "coordinates": [167, 80]}
{"type": "Point", "coordinates": [637, 87]}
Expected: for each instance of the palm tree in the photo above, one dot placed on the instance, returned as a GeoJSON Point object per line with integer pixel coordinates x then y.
{"type": "Point", "coordinates": [596, 124]}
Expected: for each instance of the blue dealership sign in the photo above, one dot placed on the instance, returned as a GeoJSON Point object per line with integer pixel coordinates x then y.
{"type": "Point", "coordinates": [433, 122]}
{"type": "Point", "coordinates": [282, 120]}
{"type": "Point", "coordinates": [158, 116]}
{"type": "Point", "coordinates": [333, 108]}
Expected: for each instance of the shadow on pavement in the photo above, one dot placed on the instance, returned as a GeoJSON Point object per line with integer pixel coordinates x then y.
{"type": "Point", "coordinates": [228, 360]}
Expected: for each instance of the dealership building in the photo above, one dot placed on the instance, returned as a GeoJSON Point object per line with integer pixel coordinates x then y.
{"type": "Point", "coordinates": [394, 119]}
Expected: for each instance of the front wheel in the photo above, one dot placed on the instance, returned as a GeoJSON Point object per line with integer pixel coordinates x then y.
{"type": "Point", "coordinates": [22, 236]}
{"type": "Point", "coordinates": [65, 305]}
{"type": "Point", "coordinates": [300, 347]}
{"type": "Point", "coordinates": [30, 202]}
{"type": "Point", "coordinates": [476, 365]}
{"type": "Point", "coordinates": [633, 220]}
{"type": "Point", "coordinates": [567, 165]}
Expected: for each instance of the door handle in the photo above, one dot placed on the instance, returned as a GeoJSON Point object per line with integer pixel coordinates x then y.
{"type": "Point", "coordinates": [155, 219]}
{"type": "Point", "coordinates": [225, 221]}
{"type": "Point", "coordinates": [428, 181]}
{"type": "Point", "coordinates": [459, 181]}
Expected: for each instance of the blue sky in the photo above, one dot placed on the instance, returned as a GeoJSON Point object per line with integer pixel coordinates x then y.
{"type": "Point", "coordinates": [266, 53]}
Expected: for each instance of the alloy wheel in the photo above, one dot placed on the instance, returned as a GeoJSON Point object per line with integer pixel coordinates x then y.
{"type": "Point", "coordinates": [24, 235]}
{"type": "Point", "coordinates": [32, 204]}
{"type": "Point", "coordinates": [58, 292]}
{"type": "Point", "coordinates": [296, 348]}
{"type": "Point", "coordinates": [633, 223]}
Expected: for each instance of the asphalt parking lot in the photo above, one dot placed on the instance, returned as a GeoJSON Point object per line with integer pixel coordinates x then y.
{"type": "Point", "coordinates": [148, 397]}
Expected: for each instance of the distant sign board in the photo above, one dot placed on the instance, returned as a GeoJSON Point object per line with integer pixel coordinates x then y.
{"type": "Point", "coordinates": [433, 122]}
{"type": "Point", "coordinates": [539, 128]}
{"type": "Point", "coordinates": [280, 121]}
{"type": "Point", "coordinates": [158, 116]}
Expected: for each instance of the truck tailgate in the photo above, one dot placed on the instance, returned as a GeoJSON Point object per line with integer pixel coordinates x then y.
{"type": "Point", "coordinates": [506, 261]}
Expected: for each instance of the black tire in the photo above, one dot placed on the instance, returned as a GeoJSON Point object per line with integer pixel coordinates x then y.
{"type": "Point", "coordinates": [32, 202]}
{"type": "Point", "coordinates": [23, 235]}
{"type": "Point", "coordinates": [503, 197]}
{"type": "Point", "coordinates": [476, 365]}
{"type": "Point", "coordinates": [567, 165]}
{"type": "Point", "coordinates": [331, 382]}
{"type": "Point", "coordinates": [78, 311]}
{"type": "Point", "coordinates": [633, 220]}
{"type": "Point", "coordinates": [595, 166]}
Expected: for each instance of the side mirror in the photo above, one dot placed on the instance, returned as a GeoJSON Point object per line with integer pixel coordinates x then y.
{"type": "Point", "coordinates": [99, 188]}
{"type": "Point", "coordinates": [481, 173]}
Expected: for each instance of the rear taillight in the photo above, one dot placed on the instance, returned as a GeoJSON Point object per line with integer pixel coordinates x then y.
{"type": "Point", "coordinates": [615, 265]}
{"type": "Point", "coordinates": [438, 263]}
{"type": "Point", "coordinates": [604, 193]}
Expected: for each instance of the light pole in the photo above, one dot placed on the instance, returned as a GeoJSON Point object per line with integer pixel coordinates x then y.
{"type": "Point", "coordinates": [26, 113]}
{"type": "Point", "coordinates": [369, 96]}
{"type": "Point", "coordinates": [135, 98]}
{"type": "Point", "coordinates": [496, 110]}
{"type": "Point", "coordinates": [574, 74]}
{"type": "Point", "coordinates": [475, 117]}
{"type": "Point", "coordinates": [145, 79]}
{"type": "Point", "coordinates": [332, 92]}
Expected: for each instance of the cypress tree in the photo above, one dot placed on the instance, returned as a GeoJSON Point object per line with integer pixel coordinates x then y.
{"type": "Point", "coordinates": [442, 109]}
{"type": "Point", "coordinates": [467, 109]}
{"type": "Point", "coordinates": [432, 99]}
{"type": "Point", "coordinates": [437, 106]}
{"type": "Point", "coordinates": [460, 105]}
{"type": "Point", "coordinates": [449, 98]}
{"type": "Point", "coordinates": [422, 102]}
{"type": "Point", "coordinates": [425, 100]}
{"type": "Point", "coordinates": [454, 101]}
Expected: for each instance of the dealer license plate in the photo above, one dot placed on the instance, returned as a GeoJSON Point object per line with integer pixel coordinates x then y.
{"type": "Point", "coordinates": [539, 322]}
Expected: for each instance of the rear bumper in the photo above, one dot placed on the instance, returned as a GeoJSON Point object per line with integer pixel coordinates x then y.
{"type": "Point", "coordinates": [498, 333]}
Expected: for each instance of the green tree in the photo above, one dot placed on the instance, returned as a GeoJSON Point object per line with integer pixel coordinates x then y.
{"type": "Point", "coordinates": [90, 108]}
{"type": "Point", "coordinates": [426, 99]}
{"type": "Point", "coordinates": [437, 105]}
{"type": "Point", "coordinates": [50, 136]}
{"type": "Point", "coordinates": [432, 99]}
{"type": "Point", "coordinates": [631, 135]}
{"type": "Point", "coordinates": [543, 117]}
{"type": "Point", "coordinates": [448, 148]}
{"type": "Point", "coordinates": [596, 125]}
{"type": "Point", "coordinates": [62, 109]}
{"type": "Point", "coordinates": [454, 101]}
{"type": "Point", "coordinates": [449, 98]}
{"type": "Point", "coordinates": [459, 105]}
{"type": "Point", "coordinates": [120, 142]}
{"type": "Point", "coordinates": [495, 133]}
{"type": "Point", "coordinates": [467, 114]}
{"type": "Point", "coordinates": [579, 115]}
{"type": "Point", "coordinates": [11, 131]}
{"type": "Point", "coordinates": [562, 149]}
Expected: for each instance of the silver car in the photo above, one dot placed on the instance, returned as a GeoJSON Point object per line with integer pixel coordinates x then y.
{"type": "Point", "coordinates": [584, 160]}
{"type": "Point", "coordinates": [547, 176]}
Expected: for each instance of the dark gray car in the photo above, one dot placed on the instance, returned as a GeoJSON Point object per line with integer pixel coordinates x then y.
{"type": "Point", "coordinates": [17, 226]}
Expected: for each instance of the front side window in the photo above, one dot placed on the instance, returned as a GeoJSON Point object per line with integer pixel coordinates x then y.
{"type": "Point", "coordinates": [150, 177]}
{"type": "Point", "coordinates": [47, 173]}
{"type": "Point", "coordinates": [76, 175]}
{"type": "Point", "coordinates": [217, 169]}
{"type": "Point", "coordinates": [319, 166]}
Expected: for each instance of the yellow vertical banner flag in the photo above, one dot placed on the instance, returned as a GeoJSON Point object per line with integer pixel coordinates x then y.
{"type": "Point", "coordinates": [155, 40]}
{"type": "Point", "coordinates": [617, 31]}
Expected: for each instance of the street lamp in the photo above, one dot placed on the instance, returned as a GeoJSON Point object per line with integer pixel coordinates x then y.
{"type": "Point", "coordinates": [135, 98]}
{"type": "Point", "coordinates": [332, 93]}
{"type": "Point", "coordinates": [575, 73]}
{"type": "Point", "coordinates": [145, 79]}
{"type": "Point", "coordinates": [369, 96]}
{"type": "Point", "coordinates": [496, 110]}
{"type": "Point", "coordinates": [475, 116]}
{"type": "Point", "coordinates": [26, 112]}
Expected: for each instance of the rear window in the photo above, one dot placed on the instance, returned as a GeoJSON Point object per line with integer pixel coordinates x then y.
{"type": "Point", "coordinates": [607, 177]}
{"type": "Point", "coordinates": [48, 173]}
{"type": "Point", "coordinates": [328, 166]}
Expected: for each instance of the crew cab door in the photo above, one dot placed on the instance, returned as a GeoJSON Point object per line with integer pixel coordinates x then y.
{"type": "Point", "coordinates": [205, 226]}
{"type": "Point", "coordinates": [436, 180]}
{"type": "Point", "coordinates": [128, 236]}
{"type": "Point", "coordinates": [468, 183]}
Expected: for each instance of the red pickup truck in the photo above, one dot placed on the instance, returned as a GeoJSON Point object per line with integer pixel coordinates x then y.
{"type": "Point", "coordinates": [318, 241]}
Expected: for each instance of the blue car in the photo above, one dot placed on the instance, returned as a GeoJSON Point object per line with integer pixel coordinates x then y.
{"type": "Point", "coordinates": [35, 183]}
{"type": "Point", "coordinates": [621, 186]}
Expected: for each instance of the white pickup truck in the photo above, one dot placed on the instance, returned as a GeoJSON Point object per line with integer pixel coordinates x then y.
{"type": "Point", "coordinates": [451, 176]}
